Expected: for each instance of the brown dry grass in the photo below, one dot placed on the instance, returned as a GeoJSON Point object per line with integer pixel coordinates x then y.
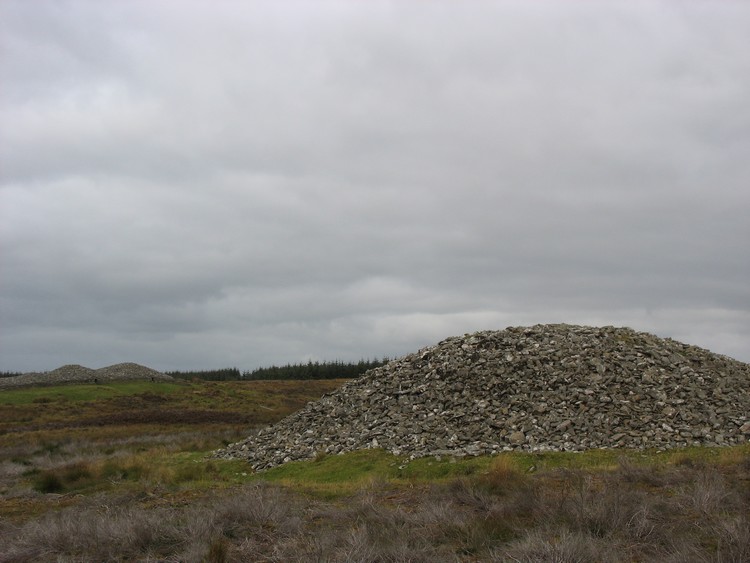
{"type": "Point", "coordinates": [81, 440]}
{"type": "Point", "coordinates": [145, 492]}
{"type": "Point", "coordinates": [695, 514]}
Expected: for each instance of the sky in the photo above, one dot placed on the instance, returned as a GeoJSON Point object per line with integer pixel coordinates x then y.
{"type": "Point", "coordinates": [206, 184]}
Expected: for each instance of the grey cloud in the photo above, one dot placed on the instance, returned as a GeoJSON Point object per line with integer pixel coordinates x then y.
{"type": "Point", "coordinates": [267, 182]}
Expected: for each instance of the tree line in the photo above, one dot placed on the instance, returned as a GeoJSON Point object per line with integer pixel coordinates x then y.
{"type": "Point", "coordinates": [225, 374]}
{"type": "Point", "coordinates": [315, 370]}
{"type": "Point", "coordinates": [309, 370]}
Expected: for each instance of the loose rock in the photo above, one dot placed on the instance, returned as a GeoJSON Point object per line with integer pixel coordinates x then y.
{"type": "Point", "coordinates": [546, 387]}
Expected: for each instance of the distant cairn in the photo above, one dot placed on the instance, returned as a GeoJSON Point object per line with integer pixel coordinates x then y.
{"type": "Point", "coordinates": [74, 373]}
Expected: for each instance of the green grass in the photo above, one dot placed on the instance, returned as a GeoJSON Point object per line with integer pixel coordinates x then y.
{"type": "Point", "coordinates": [199, 470]}
{"type": "Point", "coordinates": [332, 474]}
{"type": "Point", "coordinates": [85, 392]}
{"type": "Point", "coordinates": [343, 473]}
{"type": "Point", "coordinates": [350, 468]}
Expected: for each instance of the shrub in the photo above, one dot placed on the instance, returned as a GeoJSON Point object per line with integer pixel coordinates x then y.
{"type": "Point", "coordinates": [708, 493]}
{"type": "Point", "coordinates": [67, 477]}
{"type": "Point", "coordinates": [48, 482]}
{"type": "Point", "coordinates": [131, 468]}
{"type": "Point", "coordinates": [503, 476]}
{"type": "Point", "coordinates": [217, 551]}
{"type": "Point", "coordinates": [558, 547]}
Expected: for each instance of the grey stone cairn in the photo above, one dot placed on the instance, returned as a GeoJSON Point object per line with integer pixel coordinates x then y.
{"type": "Point", "coordinates": [545, 387]}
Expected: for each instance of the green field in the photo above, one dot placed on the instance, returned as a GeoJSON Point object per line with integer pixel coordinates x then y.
{"type": "Point", "coordinates": [58, 393]}
{"type": "Point", "coordinates": [124, 472]}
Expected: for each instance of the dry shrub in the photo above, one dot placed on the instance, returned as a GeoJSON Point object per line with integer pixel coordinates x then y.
{"type": "Point", "coordinates": [64, 478]}
{"type": "Point", "coordinates": [101, 530]}
{"type": "Point", "coordinates": [384, 533]}
{"type": "Point", "coordinates": [97, 535]}
{"type": "Point", "coordinates": [258, 507]}
{"type": "Point", "coordinates": [735, 456]}
{"type": "Point", "coordinates": [132, 468]}
{"type": "Point", "coordinates": [370, 526]}
{"type": "Point", "coordinates": [218, 551]}
{"type": "Point", "coordinates": [685, 460]}
{"type": "Point", "coordinates": [470, 494]}
{"type": "Point", "coordinates": [10, 469]}
{"type": "Point", "coordinates": [358, 546]}
{"type": "Point", "coordinates": [21, 554]}
{"type": "Point", "coordinates": [612, 509]}
{"type": "Point", "coordinates": [692, 514]}
{"type": "Point", "coordinates": [553, 546]}
{"type": "Point", "coordinates": [733, 539]}
{"type": "Point", "coordinates": [246, 523]}
{"type": "Point", "coordinates": [471, 520]}
{"type": "Point", "coordinates": [708, 493]}
{"type": "Point", "coordinates": [629, 472]}
{"type": "Point", "coordinates": [503, 477]}
{"type": "Point", "coordinates": [437, 515]}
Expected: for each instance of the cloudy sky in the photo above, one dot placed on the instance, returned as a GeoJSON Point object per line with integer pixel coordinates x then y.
{"type": "Point", "coordinates": [201, 184]}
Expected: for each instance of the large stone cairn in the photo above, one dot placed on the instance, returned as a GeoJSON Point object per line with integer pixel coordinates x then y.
{"type": "Point", "coordinates": [546, 387]}
{"type": "Point", "coordinates": [74, 373]}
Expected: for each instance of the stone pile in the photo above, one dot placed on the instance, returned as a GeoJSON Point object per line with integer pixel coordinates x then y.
{"type": "Point", "coordinates": [546, 387]}
{"type": "Point", "coordinates": [74, 373]}
{"type": "Point", "coordinates": [128, 371]}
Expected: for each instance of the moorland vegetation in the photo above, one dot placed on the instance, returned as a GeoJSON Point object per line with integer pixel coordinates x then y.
{"type": "Point", "coordinates": [123, 472]}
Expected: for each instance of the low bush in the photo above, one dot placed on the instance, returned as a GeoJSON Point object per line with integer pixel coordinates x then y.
{"type": "Point", "coordinates": [48, 482]}
{"type": "Point", "coordinates": [504, 515]}
{"type": "Point", "coordinates": [64, 478]}
{"type": "Point", "coordinates": [125, 469]}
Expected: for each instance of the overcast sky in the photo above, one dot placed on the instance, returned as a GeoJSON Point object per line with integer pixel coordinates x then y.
{"type": "Point", "coordinates": [201, 184]}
